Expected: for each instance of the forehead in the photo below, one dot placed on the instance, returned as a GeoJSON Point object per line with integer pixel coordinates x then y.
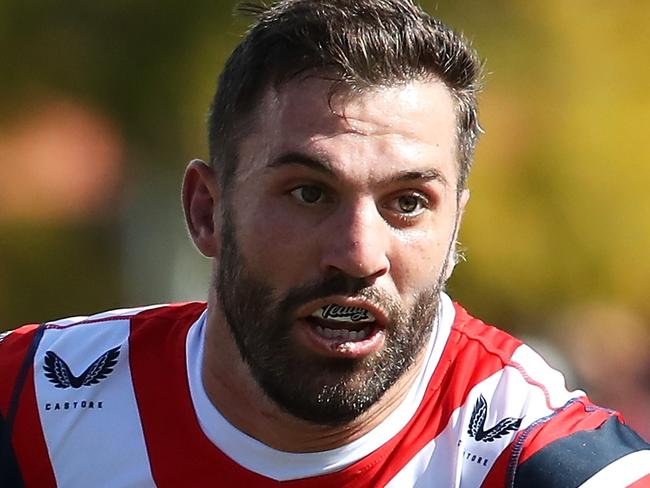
{"type": "Point", "coordinates": [411, 123]}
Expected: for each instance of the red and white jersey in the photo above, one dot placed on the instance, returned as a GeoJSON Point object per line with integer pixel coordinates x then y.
{"type": "Point", "coordinates": [116, 400]}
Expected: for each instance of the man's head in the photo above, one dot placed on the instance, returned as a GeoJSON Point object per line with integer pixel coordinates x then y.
{"type": "Point", "coordinates": [359, 44]}
{"type": "Point", "coordinates": [334, 204]}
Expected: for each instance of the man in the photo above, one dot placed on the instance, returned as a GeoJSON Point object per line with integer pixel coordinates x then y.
{"type": "Point", "coordinates": [328, 354]}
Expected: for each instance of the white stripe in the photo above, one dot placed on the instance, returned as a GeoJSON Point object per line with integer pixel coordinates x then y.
{"type": "Point", "coordinates": [621, 472]}
{"type": "Point", "coordinates": [100, 446]}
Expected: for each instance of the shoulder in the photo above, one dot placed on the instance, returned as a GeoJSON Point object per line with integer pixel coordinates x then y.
{"type": "Point", "coordinates": [510, 367]}
{"type": "Point", "coordinates": [556, 437]}
{"type": "Point", "coordinates": [97, 322]}
{"type": "Point", "coordinates": [83, 337]}
{"type": "Point", "coordinates": [513, 378]}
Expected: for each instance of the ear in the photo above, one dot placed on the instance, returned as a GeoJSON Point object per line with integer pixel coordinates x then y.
{"type": "Point", "coordinates": [462, 203]}
{"type": "Point", "coordinates": [201, 199]}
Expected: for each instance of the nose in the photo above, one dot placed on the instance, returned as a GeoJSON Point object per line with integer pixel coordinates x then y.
{"type": "Point", "coordinates": [356, 241]}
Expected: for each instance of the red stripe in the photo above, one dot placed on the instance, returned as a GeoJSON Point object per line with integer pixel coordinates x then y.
{"type": "Point", "coordinates": [28, 441]}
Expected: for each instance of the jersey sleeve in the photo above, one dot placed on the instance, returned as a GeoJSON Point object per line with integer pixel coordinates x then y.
{"type": "Point", "coordinates": [564, 441]}
{"type": "Point", "coordinates": [580, 446]}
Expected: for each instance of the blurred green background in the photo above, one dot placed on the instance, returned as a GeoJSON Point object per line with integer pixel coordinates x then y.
{"type": "Point", "coordinates": [103, 103]}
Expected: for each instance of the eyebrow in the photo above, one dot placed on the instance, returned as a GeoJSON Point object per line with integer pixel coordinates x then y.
{"type": "Point", "coordinates": [423, 175]}
{"type": "Point", "coordinates": [323, 165]}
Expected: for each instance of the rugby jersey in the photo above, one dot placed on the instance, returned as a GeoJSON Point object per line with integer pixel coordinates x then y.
{"type": "Point", "coordinates": [116, 400]}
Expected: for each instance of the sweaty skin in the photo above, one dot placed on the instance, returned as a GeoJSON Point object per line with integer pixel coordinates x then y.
{"type": "Point", "coordinates": [368, 191]}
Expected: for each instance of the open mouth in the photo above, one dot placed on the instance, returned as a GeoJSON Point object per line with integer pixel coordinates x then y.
{"type": "Point", "coordinates": [336, 324]}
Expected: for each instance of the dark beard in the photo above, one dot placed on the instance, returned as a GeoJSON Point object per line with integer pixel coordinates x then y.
{"type": "Point", "coordinates": [327, 391]}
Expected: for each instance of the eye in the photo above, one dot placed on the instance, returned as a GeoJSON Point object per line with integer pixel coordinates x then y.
{"type": "Point", "coordinates": [308, 194]}
{"type": "Point", "coordinates": [409, 205]}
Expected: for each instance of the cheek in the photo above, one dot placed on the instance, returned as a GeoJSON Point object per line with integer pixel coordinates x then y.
{"type": "Point", "coordinates": [418, 261]}
{"type": "Point", "coordinates": [280, 248]}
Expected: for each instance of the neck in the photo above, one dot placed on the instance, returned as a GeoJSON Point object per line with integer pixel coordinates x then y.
{"type": "Point", "coordinates": [234, 392]}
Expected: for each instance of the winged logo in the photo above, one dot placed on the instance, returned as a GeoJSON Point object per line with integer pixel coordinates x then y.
{"type": "Point", "coordinates": [58, 372]}
{"type": "Point", "coordinates": [477, 423]}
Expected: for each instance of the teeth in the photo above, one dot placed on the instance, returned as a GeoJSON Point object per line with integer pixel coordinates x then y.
{"type": "Point", "coordinates": [340, 313]}
{"type": "Point", "coordinates": [346, 335]}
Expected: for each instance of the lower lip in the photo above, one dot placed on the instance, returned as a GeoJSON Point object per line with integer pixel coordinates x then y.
{"type": "Point", "coordinates": [333, 347]}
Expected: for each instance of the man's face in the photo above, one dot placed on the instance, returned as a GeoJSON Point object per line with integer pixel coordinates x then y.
{"type": "Point", "coordinates": [336, 235]}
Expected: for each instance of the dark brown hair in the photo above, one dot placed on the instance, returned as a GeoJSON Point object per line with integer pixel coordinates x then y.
{"type": "Point", "coordinates": [363, 43]}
